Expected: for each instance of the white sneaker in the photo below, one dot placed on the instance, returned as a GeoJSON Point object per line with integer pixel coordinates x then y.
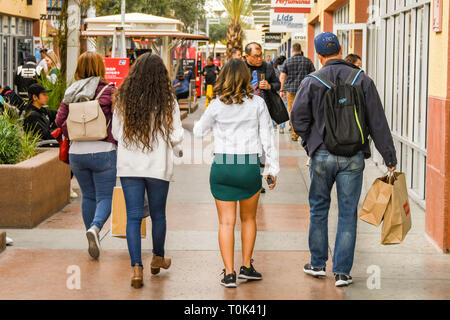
{"type": "Point", "coordinates": [9, 241]}
{"type": "Point", "coordinates": [73, 194]}
{"type": "Point", "coordinates": [94, 242]}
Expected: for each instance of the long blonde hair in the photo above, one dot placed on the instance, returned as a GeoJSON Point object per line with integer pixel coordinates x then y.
{"type": "Point", "coordinates": [55, 63]}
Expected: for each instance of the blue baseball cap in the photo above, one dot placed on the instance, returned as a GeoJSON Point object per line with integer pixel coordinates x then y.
{"type": "Point", "coordinates": [327, 43]}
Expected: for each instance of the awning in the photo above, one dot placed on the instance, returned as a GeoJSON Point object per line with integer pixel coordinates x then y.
{"type": "Point", "coordinates": [144, 34]}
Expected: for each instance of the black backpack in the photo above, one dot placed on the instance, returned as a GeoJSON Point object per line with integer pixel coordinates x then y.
{"type": "Point", "coordinates": [346, 132]}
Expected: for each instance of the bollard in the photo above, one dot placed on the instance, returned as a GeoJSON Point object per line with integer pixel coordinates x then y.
{"type": "Point", "coordinates": [209, 93]}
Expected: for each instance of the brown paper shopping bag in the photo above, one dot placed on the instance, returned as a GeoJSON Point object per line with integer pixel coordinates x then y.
{"type": "Point", "coordinates": [119, 216]}
{"type": "Point", "coordinates": [397, 218]}
{"type": "Point", "coordinates": [376, 201]}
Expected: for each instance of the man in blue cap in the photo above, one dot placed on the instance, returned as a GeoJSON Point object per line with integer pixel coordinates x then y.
{"type": "Point", "coordinates": [308, 120]}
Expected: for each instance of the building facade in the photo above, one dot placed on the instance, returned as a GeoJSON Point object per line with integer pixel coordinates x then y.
{"type": "Point", "coordinates": [404, 45]}
{"type": "Point", "coordinates": [19, 23]}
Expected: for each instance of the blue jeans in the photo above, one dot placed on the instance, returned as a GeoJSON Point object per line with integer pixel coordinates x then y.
{"type": "Point", "coordinates": [325, 169]}
{"type": "Point", "coordinates": [134, 190]}
{"type": "Point", "coordinates": [96, 175]}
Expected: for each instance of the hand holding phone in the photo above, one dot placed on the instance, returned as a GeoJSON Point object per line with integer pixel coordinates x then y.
{"type": "Point", "coordinates": [271, 181]}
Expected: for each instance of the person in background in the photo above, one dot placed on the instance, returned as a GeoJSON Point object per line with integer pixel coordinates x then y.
{"type": "Point", "coordinates": [293, 71]}
{"type": "Point", "coordinates": [92, 162]}
{"type": "Point", "coordinates": [210, 72]}
{"type": "Point", "coordinates": [149, 132]}
{"type": "Point", "coordinates": [277, 66]}
{"type": "Point", "coordinates": [326, 169]}
{"type": "Point", "coordinates": [258, 68]}
{"type": "Point", "coordinates": [43, 63]}
{"type": "Point", "coordinates": [7, 95]}
{"type": "Point", "coordinates": [53, 66]}
{"type": "Point", "coordinates": [354, 59]}
{"type": "Point", "coordinates": [235, 112]}
{"type": "Point", "coordinates": [268, 59]}
{"type": "Point", "coordinates": [37, 118]}
{"type": "Point", "coordinates": [236, 53]}
{"type": "Point", "coordinates": [109, 53]}
{"type": "Point", "coordinates": [27, 75]}
{"type": "Point", "coordinates": [181, 84]}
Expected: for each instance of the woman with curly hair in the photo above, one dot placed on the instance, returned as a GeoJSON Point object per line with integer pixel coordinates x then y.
{"type": "Point", "coordinates": [242, 128]}
{"type": "Point", "coordinates": [148, 129]}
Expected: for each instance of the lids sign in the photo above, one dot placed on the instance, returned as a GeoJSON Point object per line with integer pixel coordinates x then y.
{"type": "Point", "coordinates": [287, 22]}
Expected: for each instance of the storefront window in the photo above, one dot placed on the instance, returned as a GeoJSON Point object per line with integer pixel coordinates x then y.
{"type": "Point", "coordinates": [6, 24]}
{"type": "Point", "coordinates": [20, 27]}
{"type": "Point", "coordinates": [5, 60]}
{"type": "Point", "coordinates": [13, 25]}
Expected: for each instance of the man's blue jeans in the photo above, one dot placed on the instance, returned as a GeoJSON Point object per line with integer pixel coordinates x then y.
{"type": "Point", "coordinates": [134, 190]}
{"type": "Point", "coordinates": [325, 169]}
{"type": "Point", "coordinates": [96, 175]}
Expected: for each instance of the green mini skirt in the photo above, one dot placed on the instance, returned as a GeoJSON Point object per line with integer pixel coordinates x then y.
{"type": "Point", "coordinates": [235, 177]}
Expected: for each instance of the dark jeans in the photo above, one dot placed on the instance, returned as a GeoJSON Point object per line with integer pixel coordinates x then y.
{"type": "Point", "coordinates": [134, 190]}
{"type": "Point", "coordinates": [96, 175]}
{"type": "Point", "coordinates": [325, 170]}
{"type": "Point", "coordinates": [182, 95]}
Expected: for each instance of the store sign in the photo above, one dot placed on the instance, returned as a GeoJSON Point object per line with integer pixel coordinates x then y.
{"type": "Point", "coordinates": [301, 36]}
{"type": "Point", "coordinates": [116, 70]}
{"type": "Point", "coordinates": [292, 6]}
{"type": "Point", "coordinates": [272, 37]}
{"type": "Point", "coordinates": [188, 64]}
{"type": "Point", "coordinates": [287, 22]}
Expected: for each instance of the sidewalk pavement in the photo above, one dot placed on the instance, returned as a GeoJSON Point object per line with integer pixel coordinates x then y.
{"type": "Point", "coordinates": [42, 261]}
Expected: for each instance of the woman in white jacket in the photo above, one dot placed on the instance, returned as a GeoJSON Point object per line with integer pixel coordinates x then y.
{"type": "Point", "coordinates": [148, 129]}
{"type": "Point", "coordinates": [242, 128]}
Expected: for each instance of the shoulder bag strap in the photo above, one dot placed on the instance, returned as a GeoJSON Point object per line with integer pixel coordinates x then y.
{"type": "Point", "coordinates": [101, 92]}
{"type": "Point", "coordinates": [354, 74]}
{"type": "Point", "coordinates": [318, 76]}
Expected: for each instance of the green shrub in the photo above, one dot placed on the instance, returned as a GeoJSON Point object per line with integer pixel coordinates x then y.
{"type": "Point", "coordinates": [16, 145]}
{"type": "Point", "coordinates": [56, 95]}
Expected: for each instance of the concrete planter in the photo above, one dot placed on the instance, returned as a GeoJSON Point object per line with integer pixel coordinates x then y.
{"type": "Point", "coordinates": [33, 190]}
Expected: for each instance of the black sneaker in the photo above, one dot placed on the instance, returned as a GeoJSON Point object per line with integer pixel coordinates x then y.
{"type": "Point", "coordinates": [315, 272]}
{"type": "Point", "coordinates": [342, 280]}
{"type": "Point", "coordinates": [229, 280]}
{"type": "Point", "coordinates": [249, 273]}
{"type": "Point", "coordinates": [263, 190]}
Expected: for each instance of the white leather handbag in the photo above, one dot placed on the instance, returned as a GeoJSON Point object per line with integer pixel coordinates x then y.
{"type": "Point", "coordinates": [86, 120]}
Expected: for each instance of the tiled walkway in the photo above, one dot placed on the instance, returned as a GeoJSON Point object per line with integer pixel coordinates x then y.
{"type": "Point", "coordinates": [36, 267]}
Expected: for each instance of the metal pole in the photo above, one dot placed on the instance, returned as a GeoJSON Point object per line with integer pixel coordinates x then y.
{"type": "Point", "coordinates": [91, 42]}
{"type": "Point", "coordinates": [123, 51]}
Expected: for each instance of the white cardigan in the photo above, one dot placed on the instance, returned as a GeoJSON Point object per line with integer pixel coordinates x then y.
{"type": "Point", "coordinates": [132, 162]}
{"type": "Point", "coordinates": [241, 129]}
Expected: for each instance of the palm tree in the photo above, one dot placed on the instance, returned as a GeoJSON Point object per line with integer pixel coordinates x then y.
{"type": "Point", "coordinates": [235, 9]}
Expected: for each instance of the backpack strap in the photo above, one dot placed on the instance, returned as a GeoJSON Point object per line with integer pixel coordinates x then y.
{"type": "Point", "coordinates": [318, 76]}
{"type": "Point", "coordinates": [354, 74]}
{"type": "Point", "coordinates": [101, 92]}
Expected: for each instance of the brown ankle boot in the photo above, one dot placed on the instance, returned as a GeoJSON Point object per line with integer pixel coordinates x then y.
{"type": "Point", "coordinates": [137, 277]}
{"type": "Point", "coordinates": [159, 262]}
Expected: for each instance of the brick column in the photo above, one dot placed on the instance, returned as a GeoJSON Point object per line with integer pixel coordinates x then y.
{"type": "Point", "coordinates": [438, 160]}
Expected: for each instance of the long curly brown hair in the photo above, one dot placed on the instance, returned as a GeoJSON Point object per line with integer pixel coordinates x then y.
{"type": "Point", "coordinates": [146, 102]}
{"type": "Point", "coordinates": [233, 83]}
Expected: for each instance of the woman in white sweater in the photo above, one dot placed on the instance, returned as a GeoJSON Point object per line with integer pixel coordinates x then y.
{"type": "Point", "coordinates": [242, 128]}
{"type": "Point", "coordinates": [147, 127]}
